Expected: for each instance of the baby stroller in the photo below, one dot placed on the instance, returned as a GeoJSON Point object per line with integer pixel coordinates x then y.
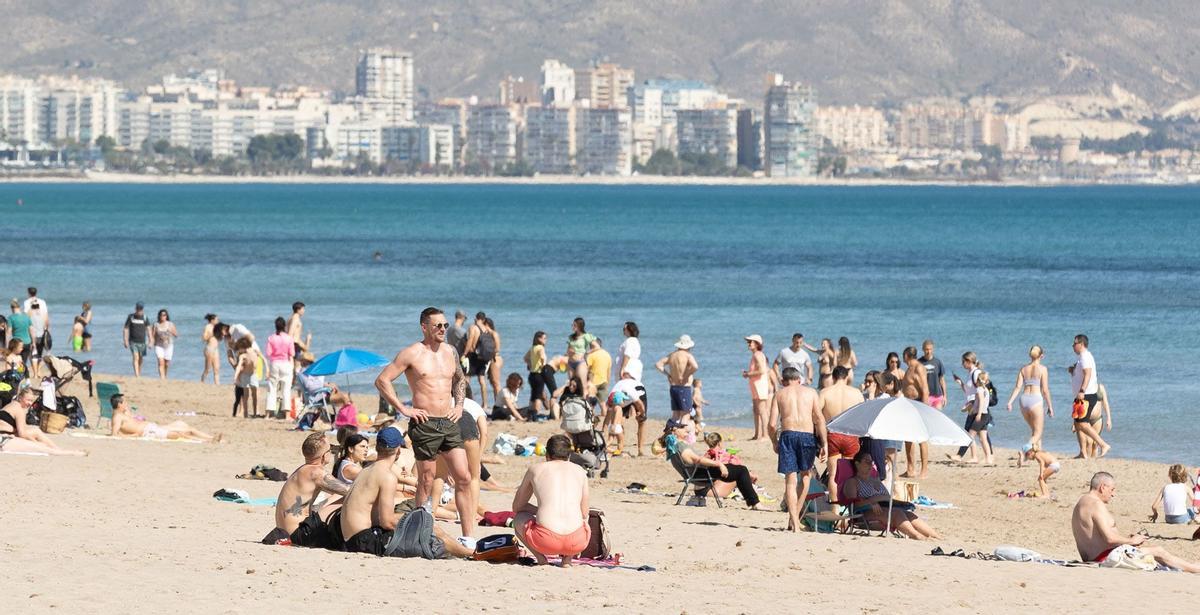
{"type": "Point", "coordinates": [10, 382]}
{"type": "Point", "coordinates": [580, 421]}
{"type": "Point", "coordinates": [63, 372]}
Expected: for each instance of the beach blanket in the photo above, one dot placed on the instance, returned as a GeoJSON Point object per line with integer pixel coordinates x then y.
{"type": "Point", "coordinates": [237, 496]}
{"type": "Point", "coordinates": [610, 563]}
{"type": "Point", "coordinates": [925, 502]}
{"type": "Point", "coordinates": [31, 454]}
{"type": "Point", "coordinates": [96, 436]}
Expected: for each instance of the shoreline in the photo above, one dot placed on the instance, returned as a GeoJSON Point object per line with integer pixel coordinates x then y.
{"type": "Point", "coordinates": [544, 180]}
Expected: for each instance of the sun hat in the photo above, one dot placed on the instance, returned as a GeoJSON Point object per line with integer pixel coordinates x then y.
{"type": "Point", "coordinates": [684, 342]}
{"type": "Point", "coordinates": [754, 338]}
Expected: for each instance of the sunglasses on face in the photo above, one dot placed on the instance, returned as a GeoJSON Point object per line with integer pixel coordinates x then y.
{"type": "Point", "coordinates": [440, 325]}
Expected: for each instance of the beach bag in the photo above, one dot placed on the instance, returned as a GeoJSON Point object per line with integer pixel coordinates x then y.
{"type": "Point", "coordinates": [598, 546]}
{"type": "Point", "coordinates": [413, 537]}
{"type": "Point", "coordinates": [575, 415]}
{"type": "Point", "coordinates": [497, 548]}
{"type": "Point", "coordinates": [505, 444]}
{"type": "Point", "coordinates": [1010, 553]}
{"type": "Point", "coordinates": [1127, 557]}
{"type": "Point", "coordinates": [313, 533]}
{"type": "Point", "coordinates": [993, 399]}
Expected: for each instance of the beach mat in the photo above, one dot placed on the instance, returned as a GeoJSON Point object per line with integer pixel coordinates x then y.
{"type": "Point", "coordinates": [609, 564]}
{"type": "Point", "coordinates": [96, 436]}
{"type": "Point", "coordinates": [29, 454]}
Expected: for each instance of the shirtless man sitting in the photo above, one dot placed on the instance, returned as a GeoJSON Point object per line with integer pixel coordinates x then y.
{"type": "Point", "coordinates": [679, 367]}
{"type": "Point", "coordinates": [917, 377]}
{"type": "Point", "coordinates": [125, 424]}
{"type": "Point", "coordinates": [1096, 535]}
{"type": "Point", "coordinates": [438, 388]}
{"type": "Point", "coordinates": [558, 524]}
{"type": "Point", "coordinates": [368, 517]}
{"type": "Point", "coordinates": [834, 400]}
{"type": "Point", "coordinates": [296, 498]}
{"type": "Point", "coordinates": [794, 408]}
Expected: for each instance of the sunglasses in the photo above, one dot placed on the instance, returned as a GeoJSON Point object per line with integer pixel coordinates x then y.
{"type": "Point", "coordinates": [440, 325]}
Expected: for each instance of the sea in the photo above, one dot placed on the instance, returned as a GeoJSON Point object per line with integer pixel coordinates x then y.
{"type": "Point", "coordinates": [986, 269]}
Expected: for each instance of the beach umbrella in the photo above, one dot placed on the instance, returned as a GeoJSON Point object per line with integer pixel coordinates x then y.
{"type": "Point", "coordinates": [899, 418]}
{"type": "Point", "coordinates": [346, 361]}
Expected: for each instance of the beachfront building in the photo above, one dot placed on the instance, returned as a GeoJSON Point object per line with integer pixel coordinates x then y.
{"type": "Point", "coordinates": [451, 112]}
{"type": "Point", "coordinates": [48, 111]}
{"type": "Point", "coordinates": [384, 84]}
{"type": "Point", "coordinates": [549, 139]}
{"type": "Point", "coordinates": [558, 83]}
{"type": "Point", "coordinates": [749, 140]}
{"type": "Point", "coordinates": [491, 137]}
{"type": "Point", "coordinates": [603, 141]}
{"type": "Point", "coordinates": [851, 128]}
{"type": "Point", "coordinates": [951, 125]}
{"type": "Point", "coordinates": [653, 104]}
{"type": "Point", "coordinates": [789, 140]}
{"type": "Point", "coordinates": [603, 85]}
{"type": "Point", "coordinates": [708, 131]}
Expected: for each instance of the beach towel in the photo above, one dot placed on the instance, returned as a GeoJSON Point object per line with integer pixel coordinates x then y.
{"type": "Point", "coordinates": [96, 436]}
{"type": "Point", "coordinates": [237, 496]}
{"type": "Point", "coordinates": [30, 453]}
{"type": "Point", "coordinates": [498, 519]}
{"type": "Point", "coordinates": [925, 502]}
{"type": "Point", "coordinates": [610, 563]}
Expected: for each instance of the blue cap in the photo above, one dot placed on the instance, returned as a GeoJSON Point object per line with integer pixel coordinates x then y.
{"type": "Point", "coordinates": [391, 437]}
{"type": "Point", "coordinates": [1028, 447]}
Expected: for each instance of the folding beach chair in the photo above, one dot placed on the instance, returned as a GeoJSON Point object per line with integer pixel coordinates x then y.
{"type": "Point", "coordinates": [842, 473]}
{"type": "Point", "coordinates": [814, 519]}
{"type": "Point", "coordinates": [105, 391]}
{"type": "Point", "coordinates": [694, 477]}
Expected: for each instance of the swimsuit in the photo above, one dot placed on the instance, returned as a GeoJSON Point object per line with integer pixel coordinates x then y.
{"type": "Point", "coordinates": [435, 435]}
{"type": "Point", "coordinates": [842, 444]}
{"type": "Point", "coordinates": [797, 451]}
{"type": "Point", "coordinates": [1029, 401]}
{"type": "Point", "coordinates": [681, 398]}
{"type": "Point", "coordinates": [1054, 467]}
{"type": "Point", "coordinates": [152, 430]}
{"type": "Point", "coordinates": [760, 388]}
{"type": "Point", "coordinates": [547, 542]}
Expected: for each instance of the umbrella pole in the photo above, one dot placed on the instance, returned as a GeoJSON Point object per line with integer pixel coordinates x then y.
{"type": "Point", "coordinates": [891, 499]}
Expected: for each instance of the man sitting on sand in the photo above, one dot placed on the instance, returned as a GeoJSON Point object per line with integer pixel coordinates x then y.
{"type": "Point", "coordinates": [558, 524]}
{"type": "Point", "coordinates": [125, 424]}
{"type": "Point", "coordinates": [296, 498]}
{"type": "Point", "coordinates": [1097, 539]}
{"type": "Point", "coordinates": [368, 516]}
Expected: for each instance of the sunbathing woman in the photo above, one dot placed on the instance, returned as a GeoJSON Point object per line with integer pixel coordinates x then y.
{"type": "Point", "coordinates": [125, 424]}
{"type": "Point", "coordinates": [871, 498]}
{"type": "Point", "coordinates": [18, 437]}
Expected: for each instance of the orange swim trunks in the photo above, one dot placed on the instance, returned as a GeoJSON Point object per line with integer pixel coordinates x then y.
{"type": "Point", "coordinates": [547, 542]}
{"type": "Point", "coordinates": [841, 444]}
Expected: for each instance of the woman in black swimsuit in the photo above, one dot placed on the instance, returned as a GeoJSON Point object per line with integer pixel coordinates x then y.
{"type": "Point", "coordinates": [17, 437]}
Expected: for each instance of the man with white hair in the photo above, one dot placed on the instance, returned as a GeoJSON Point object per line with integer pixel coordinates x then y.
{"type": "Point", "coordinates": [1097, 538]}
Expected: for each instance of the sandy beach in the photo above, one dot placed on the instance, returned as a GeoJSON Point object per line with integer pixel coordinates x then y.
{"type": "Point", "coordinates": [133, 527]}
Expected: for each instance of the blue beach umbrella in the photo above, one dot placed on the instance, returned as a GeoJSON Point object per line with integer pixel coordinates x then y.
{"type": "Point", "coordinates": [346, 361]}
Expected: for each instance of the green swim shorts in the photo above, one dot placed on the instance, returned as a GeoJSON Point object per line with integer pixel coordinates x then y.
{"type": "Point", "coordinates": [435, 435]}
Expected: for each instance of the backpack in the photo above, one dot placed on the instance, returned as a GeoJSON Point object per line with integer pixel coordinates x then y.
{"type": "Point", "coordinates": [497, 548]}
{"type": "Point", "coordinates": [485, 348]}
{"type": "Point", "coordinates": [598, 546]}
{"type": "Point", "coordinates": [574, 415]}
{"type": "Point", "coordinates": [413, 537]}
{"type": "Point", "coordinates": [993, 399]}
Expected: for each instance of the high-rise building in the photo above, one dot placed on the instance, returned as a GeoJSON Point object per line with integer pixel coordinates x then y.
{"type": "Point", "coordinates": [558, 83]}
{"type": "Point", "coordinates": [851, 128]}
{"type": "Point", "coordinates": [384, 80]}
{"type": "Point", "coordinates": [789, 140]}
{"type": "Point", "coordinates": [491, 136]}
{"type": "Point", "coordinates": [603, 141]}
{"type": "Point", "coordinates": [604, 85]}
{"type": "Point", "coordinates": [708, 131]}
{"type": "Point", "coordinates": [749, 140]}
{"type": "Point", "coordinates": [516, 90]}
{"type": "Point", "coordinates": [654, 101]}
{"type": "Point", "coordinates": [549, 139]}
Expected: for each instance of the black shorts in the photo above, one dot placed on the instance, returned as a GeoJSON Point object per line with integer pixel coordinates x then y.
{"type": "Point", "coordinates": [541, 383]}
{"type": "Point", "coordinates": [484, 475]}
{"type": "Point", "coordinates": [434, 436]}
{"type": "Point", "coordinates": [372, 540]}
{"type": "Point", "coordinates": [982, 423]}
{"type": "Point", "coordinates": [476, 366]}
{"type": "Point", "coordinates": [628, 411]}
{"type": "Point", "coordinates": [468, 428]}
{"type": "Point", "coordinates": [1091, 401]}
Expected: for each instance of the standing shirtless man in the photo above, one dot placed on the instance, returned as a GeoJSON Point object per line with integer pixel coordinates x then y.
{"type": "Point", "coordinates": [438, 388]}
{"type": "Point", "coordinates": [679, 367]}
{"type": "Point", "coordinates": [794, 408]}
{"type": "Point", "coordinates": [834, 400]}
{"type": "Point", "coordinates": [917, 377]}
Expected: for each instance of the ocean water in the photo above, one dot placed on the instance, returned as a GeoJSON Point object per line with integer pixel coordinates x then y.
{"type": "Point", "coordinates": [987, 269]}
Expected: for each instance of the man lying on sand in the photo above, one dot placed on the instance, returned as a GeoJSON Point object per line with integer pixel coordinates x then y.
{"type": "Point", "coordinates": [1097, 538]}
{"type": "Point", "coordinates": [558, 524]}
{"type": "Point", "coordinates": [125, 424]}
{"type": "Point", "coordinates": [368, 516]}
{"type": "Point", "coordinates": [296, 498]}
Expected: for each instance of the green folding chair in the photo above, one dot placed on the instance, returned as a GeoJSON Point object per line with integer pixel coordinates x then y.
{"type": "Point", "coordinates": [105, 391]}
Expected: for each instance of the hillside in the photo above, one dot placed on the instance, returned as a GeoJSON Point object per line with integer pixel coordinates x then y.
{"type": "Point", "coordinates": [852, 50]}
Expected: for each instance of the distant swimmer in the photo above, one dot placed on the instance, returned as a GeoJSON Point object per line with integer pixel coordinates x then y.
{"type": "Point", "coordinates": [378, 256]}
{"type": "Point", "coordinates": [20, 202]}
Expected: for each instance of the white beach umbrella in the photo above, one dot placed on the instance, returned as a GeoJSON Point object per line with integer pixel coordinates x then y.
{"type": "Point", "coordinates": [899, 418]}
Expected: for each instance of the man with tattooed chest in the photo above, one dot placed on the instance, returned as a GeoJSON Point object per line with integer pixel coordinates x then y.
{"type": "Point", "coordinates": [438, 388]}
{"type": "Point", "coordinates": [296, 498]}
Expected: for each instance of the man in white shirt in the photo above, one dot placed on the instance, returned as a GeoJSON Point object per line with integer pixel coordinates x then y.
{"type": "Point", "coordinates": [1084, 385]}
{"type": "Point", "coordinates": [795, 356]}
{"type": "Point", "coordinates": [33, 297]}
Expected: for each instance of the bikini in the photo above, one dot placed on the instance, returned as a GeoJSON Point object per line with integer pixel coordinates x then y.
{"type": "Point", "coordinates": [7, 418]}
{"type": "Point", "coordinates": [1029, 401]}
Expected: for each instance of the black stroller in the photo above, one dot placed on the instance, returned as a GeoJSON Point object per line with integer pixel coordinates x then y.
{"type": "Point", "coordinates": [63, 371]}
{"type": "Point", "coordinates": [582, 424]}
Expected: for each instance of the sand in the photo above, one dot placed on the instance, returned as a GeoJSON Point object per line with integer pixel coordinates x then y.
{"type": "Point", "coordinates": [133, 527]}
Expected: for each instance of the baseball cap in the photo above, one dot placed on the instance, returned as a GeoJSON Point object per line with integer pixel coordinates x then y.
{"type": "Point", "coordinates": [1028, 447]}
{"type": "Point", "coordinates": [391, 437]}
{"type": "Point", "coordinates": [139, 305]}
{"type": "Point", "coordinates": [618, 398]}
{"type": "Point", "coordinates": [674, 424]}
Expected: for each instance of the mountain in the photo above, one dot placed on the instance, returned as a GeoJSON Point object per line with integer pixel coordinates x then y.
{"type": "Point", "coordinates": [851, 50]}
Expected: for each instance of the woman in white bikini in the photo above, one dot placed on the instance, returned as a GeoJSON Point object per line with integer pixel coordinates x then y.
{"type": "Point", "coordinates": [1033, 387]}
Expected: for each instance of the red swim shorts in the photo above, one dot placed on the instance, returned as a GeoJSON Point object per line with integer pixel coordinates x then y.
{"type": "Point", "coordinates": [547, 542]}
{"type": "Point", "coordinates": [841, 444]}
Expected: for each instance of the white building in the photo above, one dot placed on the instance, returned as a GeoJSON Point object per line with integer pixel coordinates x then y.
{"type": "Point", "coordinates": [491, 136]}
{"type": "Point", "coordinates": [604, 141]}
{"type": "Point", "coordinates": [549, 139]}
{"type": "Point", "coordinates": [708, 131]}
{"type": "Point", "coordinates": [558, 83]}
{"type": "Point", "coordinates": [851, 128]}
{"type": "Point", "coordinates": [50, 110]}
{"type": "Point", "coordinates": [789, 142]}
{"type": "Point", "coordinates": [384, 80]}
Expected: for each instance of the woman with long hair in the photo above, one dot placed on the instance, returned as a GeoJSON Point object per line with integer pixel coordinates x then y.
{"type": "Point", "coordinates": [893, 366]}
{"type": "Point", "coordinates": [164, 334]}
{"type": "Point", "coordinates": [541, 375]}
{"type": "Point", "coordinates": [1034, 388]}
{"type": "Point", "coordinates": [496, 367]}
{"type": "Point", "coordinates": [212, 355]}
{"type": "Point", "coordinates": [846, 357]}
{"type": "Point", "coordinates": [971, 363]}
{"type": "Point", "coordinates": [826, 360]}
{"type": "Point", "coordinates": [350, 458]}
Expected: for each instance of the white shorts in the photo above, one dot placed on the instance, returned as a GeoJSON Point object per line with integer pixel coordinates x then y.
{"type": "Point", "coordinates": [165, 353]}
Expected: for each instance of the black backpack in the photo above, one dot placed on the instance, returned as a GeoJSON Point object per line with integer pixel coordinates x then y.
{"type": "Point", "coordinates": [993, 399]}
{"type": "Point", "coordinates": [485, 348]}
